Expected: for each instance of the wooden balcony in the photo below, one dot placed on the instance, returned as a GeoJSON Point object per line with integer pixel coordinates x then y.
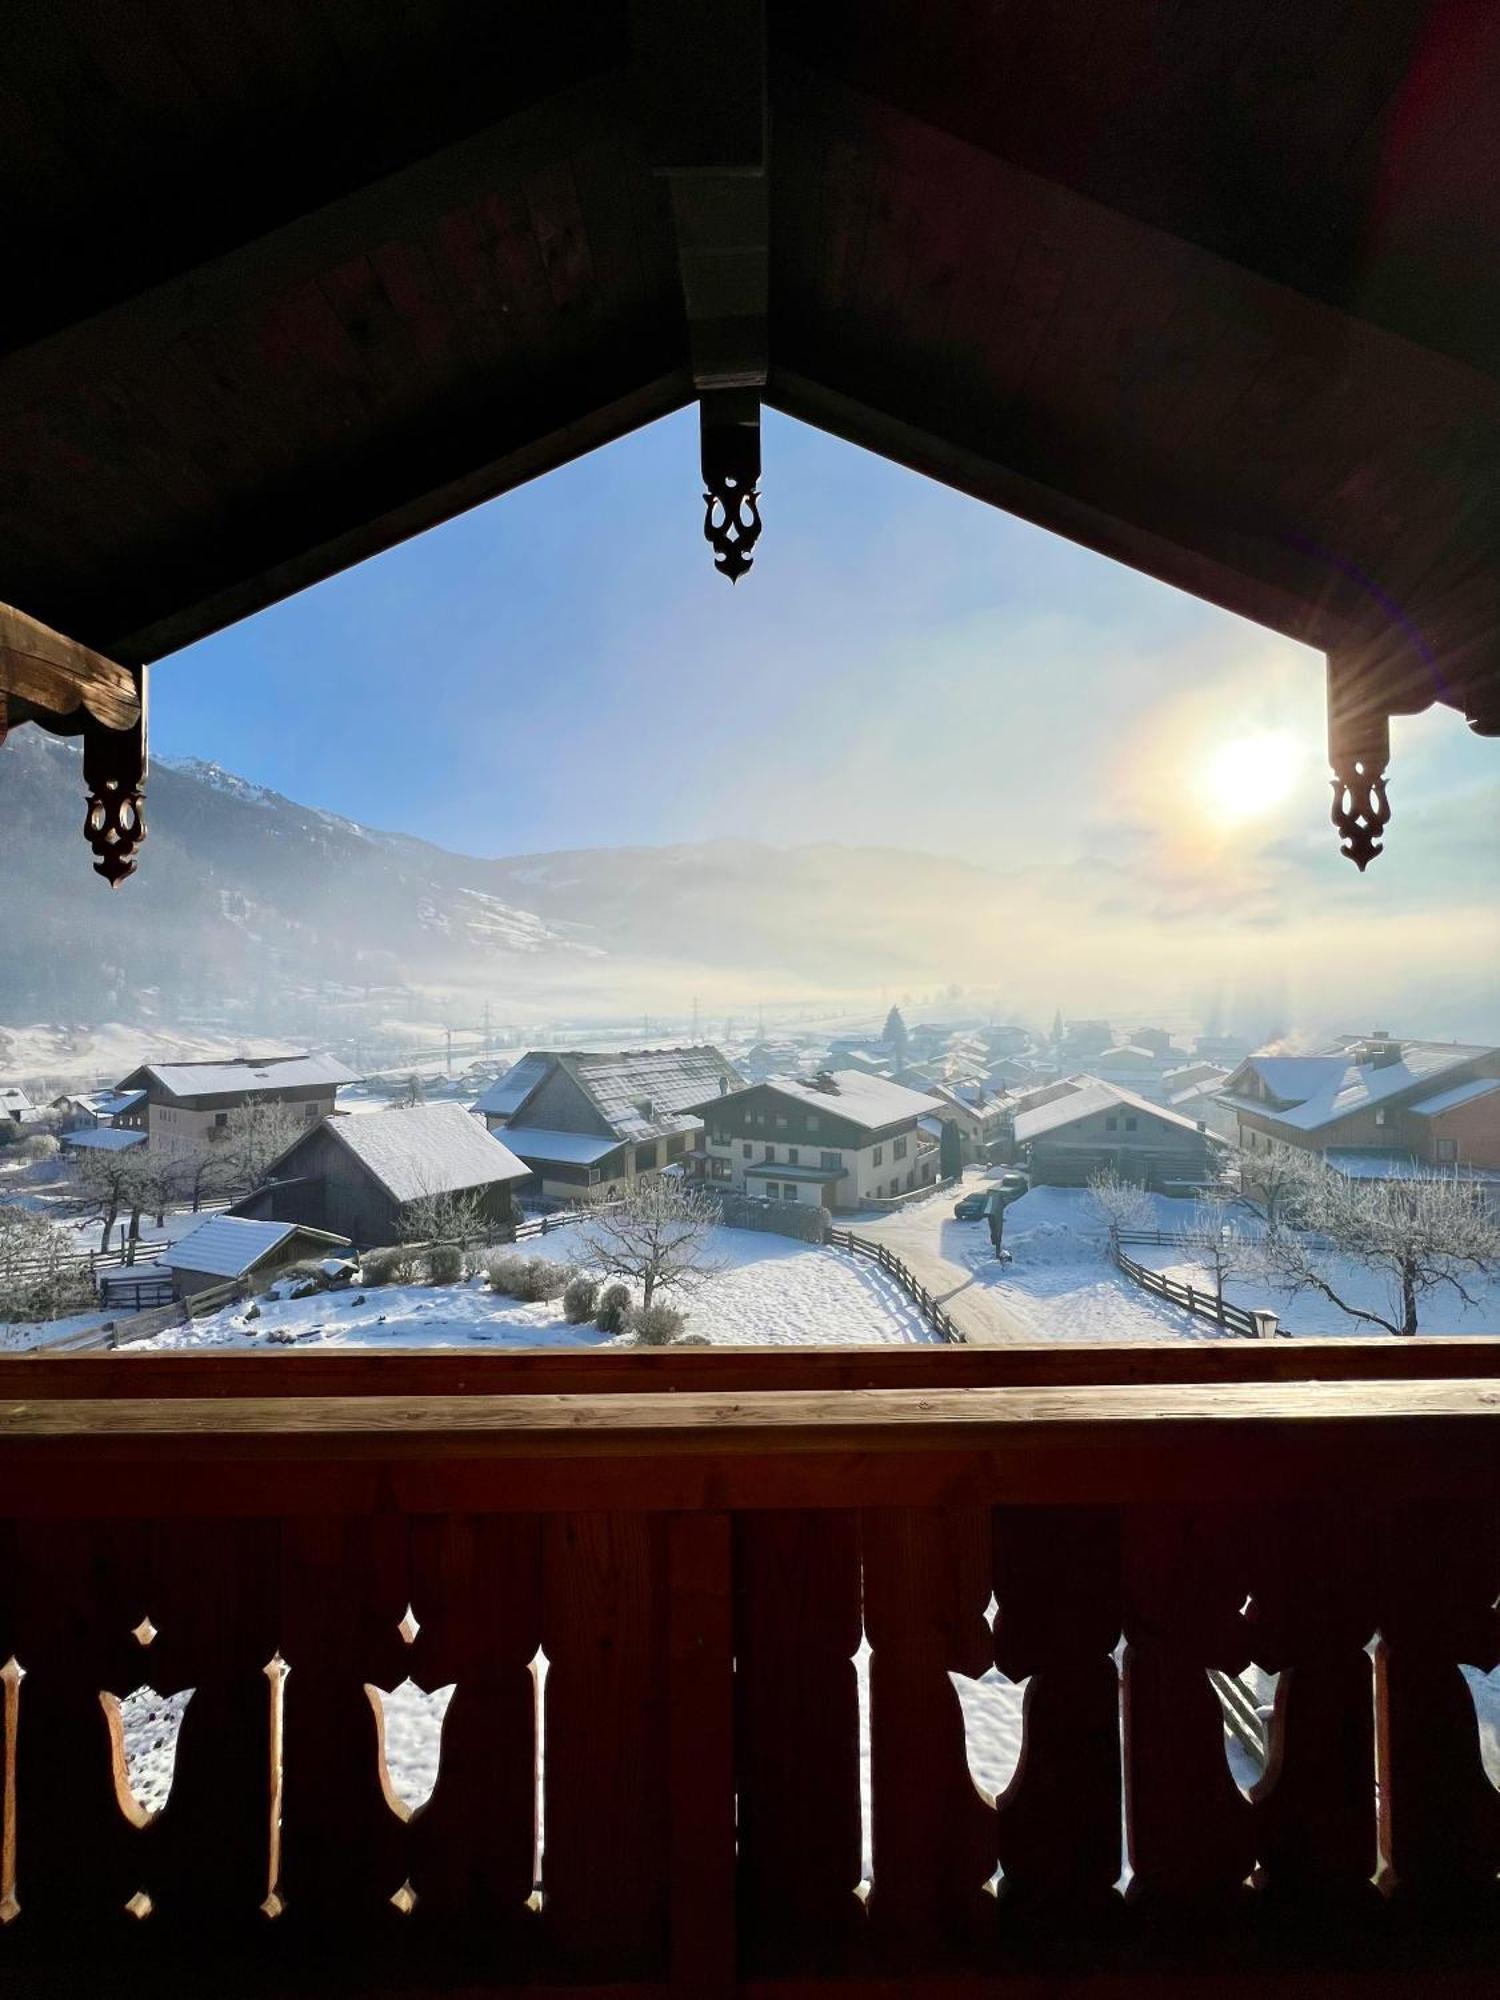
{"type": "Point", "coordinates": [697, 1544]}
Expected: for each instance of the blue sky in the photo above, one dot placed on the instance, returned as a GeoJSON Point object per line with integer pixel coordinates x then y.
{"type": "Point", "coordinates": [903, 667]}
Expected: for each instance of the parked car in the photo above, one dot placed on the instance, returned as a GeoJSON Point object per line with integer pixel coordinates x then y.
{"type": "Point", "coordinates": [1010, 1187]}
{"type": "Point", "coordinates": [971, 1207]}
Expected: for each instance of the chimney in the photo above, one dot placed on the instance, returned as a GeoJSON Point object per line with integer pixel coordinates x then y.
{"type": "Point", "coordinates": [723, 1086]}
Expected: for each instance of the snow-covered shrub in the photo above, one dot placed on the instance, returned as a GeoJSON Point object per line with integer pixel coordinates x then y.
{"type": "Point", "coordinates": [542, 1279]}
{"type": "Point", "coordinates": [39, 1146]}
{"type": "Point", "coordinates": [445, 1264]}
{"type": "Point", "coordinates": [658, 1324]}
{"type": "Point", "coordinates": [41, 1276]}
{"type": "Point", "coordinates": [383, 1267]}
{"type": "Point", "coordinates": [505, 1272]}
{"type": "Point", "coordinates": [614, 1309]}
{"type": "Point", "coordinates": [580, 1299]}
{"type": "Point", "coordinates": [303, 1279]}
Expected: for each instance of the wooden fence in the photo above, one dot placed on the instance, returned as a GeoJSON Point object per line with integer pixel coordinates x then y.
{"type": "Point", "coordinates": [935, 1314]}
{"type": "Point", "coordinates": [1192, 1298]}
{"type": "Point", "coordinates": [680, 1807]}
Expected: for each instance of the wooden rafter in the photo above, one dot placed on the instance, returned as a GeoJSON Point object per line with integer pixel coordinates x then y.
{"type": "Point", "coordinates": [51, 672]}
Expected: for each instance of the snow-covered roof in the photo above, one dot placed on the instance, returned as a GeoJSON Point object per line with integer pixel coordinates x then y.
{"type": "Point", "coordinates": [1092, 1095]}
{"type": "Point", "coordinates": [671, 1081]}
{"type": "Point", "coordinates": [870, 1101]}
{"type": "Point", "coordinates": [253, 1076]}
{"type": "Point", "coordinates": [1358, 1163]}
{"type": "Point", "coordinates": [106, 1139]}
{"type": "Point", "coordinates": [580, 1149]}
{"type": "Point", "coordinates": [13, 1098]}
{"type": "Point", "coordinates": [227, 1246]}
{"type": "Point", "coordinates": [1460, 1093]}
{"type": "Point", "coordinates": [506, 1094]}
{"type": "Point", "coordinates": [1335, 1084]}
{"type": "Point", "coordinates": [1127, 1051]}
{"type": "Point", "coordinates": [425, 1149]}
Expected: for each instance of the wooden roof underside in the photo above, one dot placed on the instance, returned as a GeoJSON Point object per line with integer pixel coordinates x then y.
{"type": "Point", "coordinates": [1211, 286]}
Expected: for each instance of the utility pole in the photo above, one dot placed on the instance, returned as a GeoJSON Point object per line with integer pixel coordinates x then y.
{"type": "Point", "coordinates": [448, 1034]}
{"type": "Point", "coordinates": [695, 1018]}
{"type": "Point", "coordinates": [486, 1025]}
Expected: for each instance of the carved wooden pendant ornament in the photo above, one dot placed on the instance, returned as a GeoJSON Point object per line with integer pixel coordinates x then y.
{"type": "Point", "coordinates": [114, 770]}
{"type": "Point", "coordinates": [1359, 750]}
{"type": "Point", "coordinates": [730, 446]}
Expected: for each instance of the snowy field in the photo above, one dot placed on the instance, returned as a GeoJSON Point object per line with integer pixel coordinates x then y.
{"type": "Point", "coordinates": [1308, 1312]}
{"type": "Point", "coordinates": [770, 1292]}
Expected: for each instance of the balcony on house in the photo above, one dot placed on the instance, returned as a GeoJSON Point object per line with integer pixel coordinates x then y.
{"type": "Point", "coordinates": [710, 1623]}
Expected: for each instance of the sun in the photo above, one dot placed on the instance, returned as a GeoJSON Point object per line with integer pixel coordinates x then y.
{"type": "Point", "coordinates": [1248, 777]}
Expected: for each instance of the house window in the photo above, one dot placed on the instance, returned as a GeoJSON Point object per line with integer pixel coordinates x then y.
{"type": "Point", "coordinates": [1447, 1150]}
{"type": "Point", "coordinates": [1129, 1124]}
{"type": "Point", "coordinates": [898, 1149]}
{"type": "Point", "coordinates": [832, 1161]}
{"type": "Point", "coordinates": [780, 1121]}
{"type": "Point", "coordinates": [877, 1156]}
{"type": "Point", "coordinates": [768, 1152]}
{"type": "Point", "coordinates": [645, 1157]}
{"type": "Point", "coordinates": [748, 1150]}
{"type": "Point", "coordinates": [792, 1156]}
{"type": "Point", "coordinates": [221, 1118]}
{"type": "Point", "coordinates": [1380, 1117]}
{"type": "Point", "coordinates": [812, 1122]}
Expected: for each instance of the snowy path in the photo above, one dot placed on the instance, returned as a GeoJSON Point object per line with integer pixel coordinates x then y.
{"type": "Point", "coordinates": [1059, 1284]}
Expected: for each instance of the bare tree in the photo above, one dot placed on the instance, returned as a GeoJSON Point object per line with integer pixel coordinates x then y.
{"type": "Point", "coordinates": [107, 1182]}
{"type": "Point", "coordinates": [1275, 1185]}
{"type": "Point", "coordinates": [453, 1217]}
{"type": "Point", "coordinates": [1419, 1236]}
{"type": "Point", "coordinates": [1123, 1204]}
{"type": "Point", "coordinates": [656, 1234]}
{"type": "Point", "coordinates": [255, 1135]}
{"type": "Point", "coordinates": [1215, 1239]}
{"type": "Point", "coordinates": [41, 1273]}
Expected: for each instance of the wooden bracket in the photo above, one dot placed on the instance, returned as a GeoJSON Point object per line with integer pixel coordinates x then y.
{"type": "Point", "coordinates": [47, 671]}
{"type": "Point", "coordinates": [703, 81]}
{"type": "Point", "coordinates": [114, 770]}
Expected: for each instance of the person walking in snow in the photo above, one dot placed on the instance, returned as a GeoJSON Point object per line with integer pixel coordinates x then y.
{"type": "Point", "coordinates": [995, 1215]}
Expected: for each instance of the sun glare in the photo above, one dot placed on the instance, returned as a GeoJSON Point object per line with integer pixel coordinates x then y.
{"type": "Point", "coordinates": [1248, 777]}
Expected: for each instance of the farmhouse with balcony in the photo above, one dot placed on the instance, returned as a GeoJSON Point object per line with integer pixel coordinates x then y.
{"type": "Point", "coordinates": [590, 1123]}
{"type": "Point", "coordinates": [183, 1107]}
{"type": "Point", "coordinates": [837, 1139]}
{"type": "Point", "coordinates": [1096, 1126]}
{"type": "Point", "coordinates": [367, 1177]}
{"type": "Point", "coordinates": [1373, 1101]}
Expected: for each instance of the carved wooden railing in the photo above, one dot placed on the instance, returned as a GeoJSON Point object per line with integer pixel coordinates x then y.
{"type": "Point", "coordinates": [666, 1566]}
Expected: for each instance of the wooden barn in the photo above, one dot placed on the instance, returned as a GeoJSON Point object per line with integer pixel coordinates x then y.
{"type": "Point", "coordinates": [231, 1247]}
{"type": "Point", "coordinates": [368, 1177]}
{"type": "Point", "coordinates": [1213, 288]}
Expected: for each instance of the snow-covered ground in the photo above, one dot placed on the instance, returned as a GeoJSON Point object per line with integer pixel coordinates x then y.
{"type": "Point", "coordinates": [769, 1292]}
{"type": "Point", "coordinates": [1308, 1312]}
{"type": "Point", "coordinates": [111, 1049]}
{"type": "Point", "coordinates": [1059, 1283]}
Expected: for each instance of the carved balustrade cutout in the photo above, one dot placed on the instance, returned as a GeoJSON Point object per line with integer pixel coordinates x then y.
{"type": "Point", "coordinates": [950, 1727]}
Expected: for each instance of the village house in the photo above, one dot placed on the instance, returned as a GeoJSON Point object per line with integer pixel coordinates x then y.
{"type": "Point", "coordinates": [84, 1111]}
{"type": "Point", "coordinates": [15, 1105]}
{"type": "Point", "coordinates": [233, 1248]}
{"type": "Point", "coordinates": [183, 1107]}
{"type": "Point", "coordinates": [1373, 1100]}
{"type": "Point", "coordinates": [367, 1177]}
{"type": "Point", "coordinates": [977, 1113]}
{"type": "Point", "coordinates": [1098, 1126]}
{"type": "Point", "coordinates": [590, 1123]}
{"type": "Point", "coordinates": [837, 1140]}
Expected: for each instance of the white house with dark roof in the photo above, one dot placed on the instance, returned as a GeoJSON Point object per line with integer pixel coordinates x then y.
{"type": "Point", "coordinates": [361, 1176]}
{"type": "Point", "coordinates": [838, 1139]}
{"type": "Point", "coordinates": [184, 1107]}
{"type": "Point", "coordinates": [1097, 1126]}
{"type": "Point", "coordinates": [1372, 1098]}
{"type": "Point", "coordinates": [591, 1122]}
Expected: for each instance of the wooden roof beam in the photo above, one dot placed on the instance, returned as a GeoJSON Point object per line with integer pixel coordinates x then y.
{"type": "Point", "coordinates": [704, 77]}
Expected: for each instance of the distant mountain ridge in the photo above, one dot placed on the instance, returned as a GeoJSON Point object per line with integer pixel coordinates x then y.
{"type": "Point", "coordinates": [241, 889]}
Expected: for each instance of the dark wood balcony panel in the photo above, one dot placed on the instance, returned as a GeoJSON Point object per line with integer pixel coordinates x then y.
{"type": "Point", "coordinates": [699, 1571]}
